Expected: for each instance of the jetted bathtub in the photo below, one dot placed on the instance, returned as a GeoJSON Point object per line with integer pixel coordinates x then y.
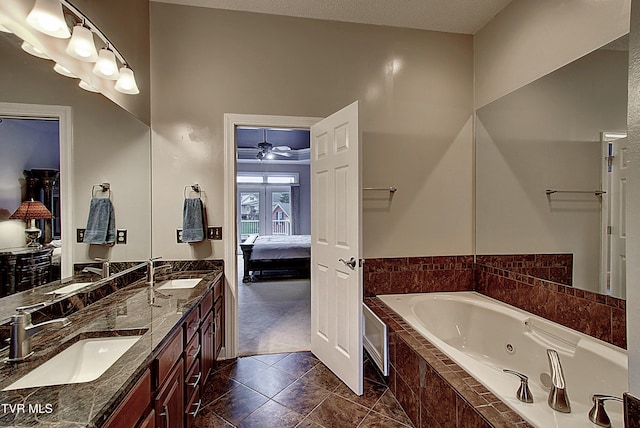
{"type": "Point", "coordinates": [485, 336]}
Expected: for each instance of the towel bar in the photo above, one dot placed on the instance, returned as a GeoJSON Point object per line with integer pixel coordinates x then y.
{"type": "Point", "coordinates": [104, 188]}
{"type": "Point", "coordinates": [194, 187]}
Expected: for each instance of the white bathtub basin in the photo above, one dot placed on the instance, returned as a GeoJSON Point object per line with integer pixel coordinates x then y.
{"type": "Point", "coordinates": [69, 288]}
{"type": "Point", "coordinates": [84, 361]}
{"type": "Point", "coordinates": [171, 284]}
{"type": "Point", "coordinates": [485, 336]}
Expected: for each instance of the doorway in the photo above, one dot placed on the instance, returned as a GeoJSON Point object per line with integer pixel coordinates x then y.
{"type": "Point", "coordinates": [273, 206]}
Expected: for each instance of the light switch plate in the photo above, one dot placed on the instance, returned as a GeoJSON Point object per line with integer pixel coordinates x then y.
{"type": "Point", "coordinates": [214, 233]}
{"type": "Point", "coordinates": [80, 235]}
{"type": "Point", "coordinates": [179, 236]}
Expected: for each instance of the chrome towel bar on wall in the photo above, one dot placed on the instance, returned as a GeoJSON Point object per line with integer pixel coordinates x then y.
{"type": "Point", "coordinates": [595, 192]}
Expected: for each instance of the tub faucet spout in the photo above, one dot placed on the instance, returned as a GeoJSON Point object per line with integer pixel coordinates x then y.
{"type": "Point", "coordinates": [558, 398]}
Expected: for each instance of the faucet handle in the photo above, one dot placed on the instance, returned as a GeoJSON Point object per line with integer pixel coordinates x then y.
{"type": "Point", "coordinates": [598, 414]}
{"type": "Point", "coordinates": [524, 393]}
{"type": "Point", "coordinates": [24, 309]}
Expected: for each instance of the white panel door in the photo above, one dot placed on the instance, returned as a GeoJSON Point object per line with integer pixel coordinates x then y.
{"type": "Point", "coordinates": [618, 200]}
{"type": "Point", "coordinates": [336, 274]}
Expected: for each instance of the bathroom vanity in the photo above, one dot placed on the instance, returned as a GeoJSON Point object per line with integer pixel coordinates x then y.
{"type": "Point", "coordinates": [176, 332]}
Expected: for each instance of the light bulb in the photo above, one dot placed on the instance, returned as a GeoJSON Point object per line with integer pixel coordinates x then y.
{"type": "Point", "coordinates": [46, 16]}
{"type": "Point", "coordinates": [81, 45]}
{"type": "Point", "coordinates": [64, 71]}
{"type": "Point", "coordinates": [106, 66]}
{"type": "Point", "coordinates": [127, 82]}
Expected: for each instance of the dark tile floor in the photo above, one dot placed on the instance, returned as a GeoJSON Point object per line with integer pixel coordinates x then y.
{"type": "Point", "coordinates": [294, 390]}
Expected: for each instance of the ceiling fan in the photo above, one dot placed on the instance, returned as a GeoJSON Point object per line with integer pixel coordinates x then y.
{"type": "Point", "coordinates": [267, 150]}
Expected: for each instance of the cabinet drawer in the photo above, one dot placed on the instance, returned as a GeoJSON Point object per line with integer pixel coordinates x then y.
{"type": "Point", "coordinates": [206, 304]}
{"type": "Point", "coordinates": [191, 324]}
{"type": "Point", "coordinates": [168, 356]}
{"type": "Point", "coordinates": [193, 380]}
{"type": "Point", "coordinates": [134, 405]}
{"type": "Point", "coordinates": [192, 352]}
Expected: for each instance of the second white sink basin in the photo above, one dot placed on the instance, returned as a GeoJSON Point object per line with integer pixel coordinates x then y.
{"type": "Point", "coordinates": [70, 288]}
{"type": "Point", "coordinates": [84, 361]}
{"type": "Point", "coordinates": [179, 283]}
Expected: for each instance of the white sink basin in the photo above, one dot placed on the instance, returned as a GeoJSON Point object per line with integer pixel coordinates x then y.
{"type": "Point", "coordinates": [70, 288]}
{"type": "Point", "coordinates": [171, 284]}
{"type": "Point", "coordinates": [84, 361]}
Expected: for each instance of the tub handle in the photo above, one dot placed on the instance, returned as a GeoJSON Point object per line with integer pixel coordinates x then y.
{"type": "Point", "coordinates": [524, 393]}
{"type": "Point", "coordinates": [597, 414]}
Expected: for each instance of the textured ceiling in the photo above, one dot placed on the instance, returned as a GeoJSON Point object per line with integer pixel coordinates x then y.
{"type": "Point", "coordinates": [454, 16]}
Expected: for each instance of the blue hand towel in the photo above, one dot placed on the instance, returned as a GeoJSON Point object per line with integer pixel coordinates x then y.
{"type": "Point", "coordinates": [101, 224]}
{"type": "Point", "coordinates": [193, 220]}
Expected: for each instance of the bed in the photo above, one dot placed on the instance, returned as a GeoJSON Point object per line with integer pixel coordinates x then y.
{"type": "Point", "coordinates": [276, 256]}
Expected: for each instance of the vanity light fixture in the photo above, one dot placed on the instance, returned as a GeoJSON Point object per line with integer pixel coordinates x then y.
{"type": "Point", "coordinates": [48, 15]}
{"type": "Point", "coordinates": [30, 49]}
{"type": "Point", "coordinates": [5, 29]}
{"type": "Point", "coordinates": [81, 46]}
{"type": "Point", "coordinates": [64, 71]}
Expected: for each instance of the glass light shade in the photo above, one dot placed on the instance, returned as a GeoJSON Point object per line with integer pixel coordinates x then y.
{"type": "Point", "coordinates": [30, 49]}
{"type": "Point", "coordinates": [81, 46]}
{"type": "Point", "coordinates": [64, 71]}
{"type": "Point", "coordinates": [47, 17]}
{"type": "Point", "coordinates": [127, 82]}
{"type": "Point", "coordinates": [87, 87]}
{"type": "Point", "coordinates": [5, 29]}
{"type": "Point", "coordinates": [106, 66]}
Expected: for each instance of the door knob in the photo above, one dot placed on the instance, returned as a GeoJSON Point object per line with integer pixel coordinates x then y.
{"type": "Point", "coordinates": [351, 263]}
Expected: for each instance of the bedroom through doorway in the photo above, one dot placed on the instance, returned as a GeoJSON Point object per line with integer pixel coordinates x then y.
{"type": "Point", "coordinates": [273, 239]}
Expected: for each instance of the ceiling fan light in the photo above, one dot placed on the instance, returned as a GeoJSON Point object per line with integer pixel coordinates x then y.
{"type": "Point", "coordinates": [127, 82]}
{"type": "Point", "coordinates": [47, 17]}
{"type": "Point", "coordinates": [81, 46]}
{"type": "Point", "coordinates": [106, 66]}
{"type": "Point", "coordinates": [30, 49]}
{"type": "Point", "coordinates": [87, 87]}
{"type": "Point", "coordinates": [60, 69]}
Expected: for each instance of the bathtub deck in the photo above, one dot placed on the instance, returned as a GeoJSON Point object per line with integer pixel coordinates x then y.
{"type": "Point", "coordinates": [433, 390]}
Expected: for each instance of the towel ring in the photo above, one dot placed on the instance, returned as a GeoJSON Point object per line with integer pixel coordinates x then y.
{"type": "Point", "coordinates": [194, 187]}
{"type": "Point", "coordinates": [104, 188]}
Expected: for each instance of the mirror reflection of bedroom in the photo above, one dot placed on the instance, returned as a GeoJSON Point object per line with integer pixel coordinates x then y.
{"type": "Point", "coordinates": [274, 228]}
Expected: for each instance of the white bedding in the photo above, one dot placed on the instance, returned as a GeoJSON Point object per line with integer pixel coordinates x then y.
{"type": "Point", "coordinates": [282, 247]}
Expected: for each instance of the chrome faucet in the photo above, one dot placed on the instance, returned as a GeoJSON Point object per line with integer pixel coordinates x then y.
{"type": "Point", "coordinates": [21, 331]}
{"type": "Point", "coordinates": [597, 414]}
{"type": "Point", "coordinates": [558, 398]}
{"type": "Point", "coordinates": [104, 272]}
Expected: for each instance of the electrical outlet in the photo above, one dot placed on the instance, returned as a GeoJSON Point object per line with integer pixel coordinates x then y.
{"type": "Point", "coordinates": [121, 236]}
{"type": "Point", "coordinates": [80, 235]}
{"type": "Point", "coordinates": [214, 233]}
{"type": "Point", "coordinates": [179, 236]}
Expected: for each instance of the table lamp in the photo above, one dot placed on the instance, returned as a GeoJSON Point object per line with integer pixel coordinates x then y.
{"type": "Point", "coordinates": [32, 211]}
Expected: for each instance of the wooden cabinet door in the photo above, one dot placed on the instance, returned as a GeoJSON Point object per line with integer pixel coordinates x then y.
{"type": "Point", "coordinates": [130, 411]}
{"type": "Point", "coordinates": [208, 343]}
{"type": "Point", "coordinates": [149, 421]}
{"type": "Point", "coordinates": [218, 319]}
{"type": "Point", "coordinates": [169, 404]}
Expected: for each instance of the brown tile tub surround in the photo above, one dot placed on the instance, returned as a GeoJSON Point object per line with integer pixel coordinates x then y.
{"type": "Point", "coordinates": [631, 411]}
{"type": "Point", "coordinates": [551, 267]}
{"type": "Point", "coordinates": [600, 316]}
{"type": "Point", "coordinates": [433, 390]}
{"type": "Point", "coordinates": [418, 275]}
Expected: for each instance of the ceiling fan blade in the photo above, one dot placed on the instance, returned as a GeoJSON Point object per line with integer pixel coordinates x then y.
{"type": "Point", "coordinates": [282, 148]}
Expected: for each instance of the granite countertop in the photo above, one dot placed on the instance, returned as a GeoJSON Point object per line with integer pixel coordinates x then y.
{"type": "Point", "coordinates": [124, 312]}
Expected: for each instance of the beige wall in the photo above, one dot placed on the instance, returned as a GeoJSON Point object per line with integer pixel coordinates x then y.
{"type": "Point", "coordinates": [416, 93]}
{"type": "Point", "coordinates": [531, 38]}
{"type": "Point", "coordinates": [546, 135]}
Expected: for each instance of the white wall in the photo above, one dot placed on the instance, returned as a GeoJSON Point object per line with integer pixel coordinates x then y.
{"type": "Point", "coordinates": [531, 38]}
{"type": "Point", "coordinates": [416, 89]}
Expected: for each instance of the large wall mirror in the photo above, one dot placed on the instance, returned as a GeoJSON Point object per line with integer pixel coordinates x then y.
{"type": "Point", "coordinates": [550, 171]}
{"type": "Point", "coordinates": [102, 143]}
